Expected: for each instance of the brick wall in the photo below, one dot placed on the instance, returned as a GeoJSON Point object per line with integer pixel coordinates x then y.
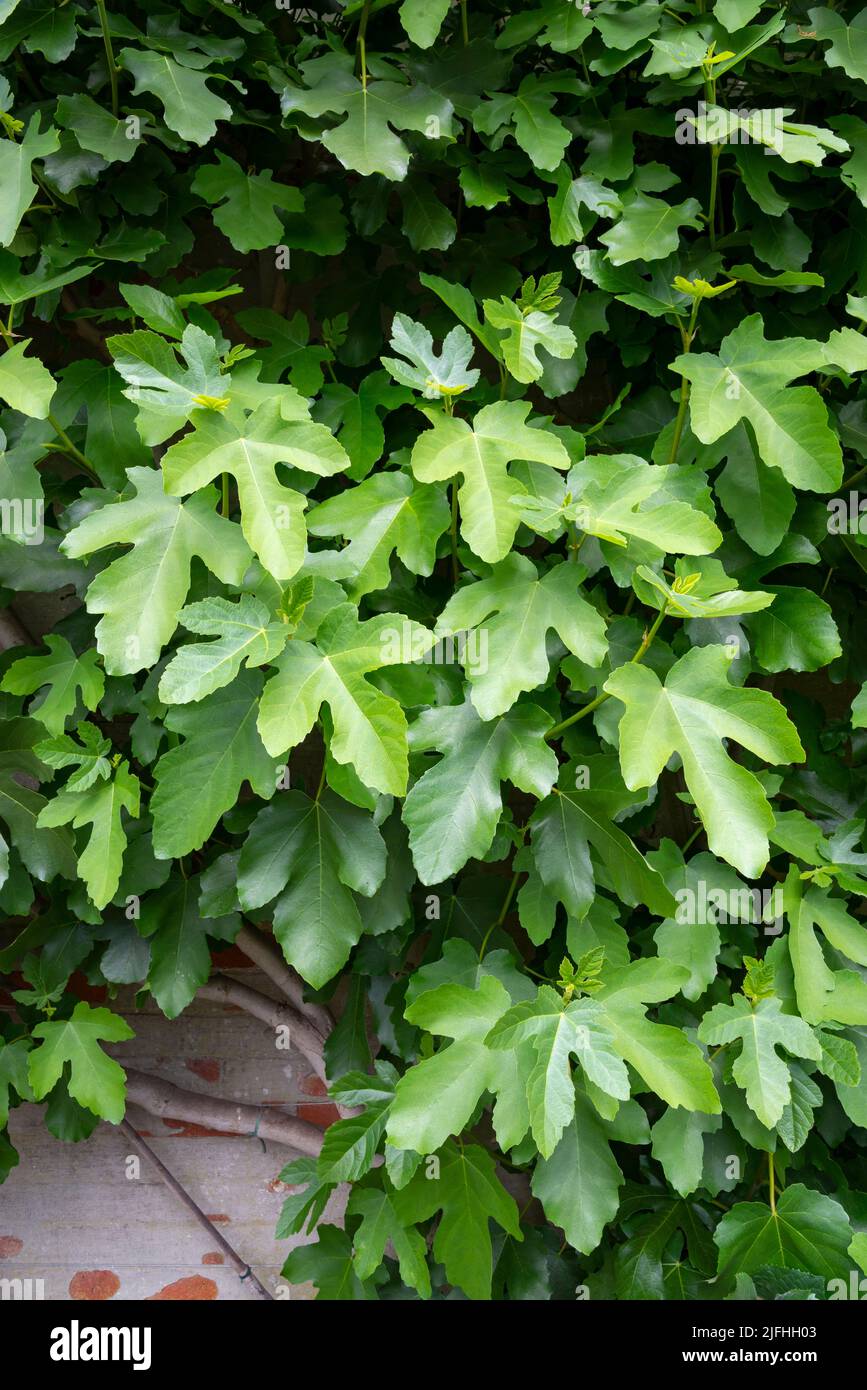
{"type": "Point", "coordinates": [71, 1216]}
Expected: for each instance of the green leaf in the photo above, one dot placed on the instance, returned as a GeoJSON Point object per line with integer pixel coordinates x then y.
{"type": "Point", "coordinates": [328, 1264]}
{"type": "Point", "coordinates": [847, 43]}
{"type": "Point", "coordinates": [249, 449]}
{"type": "Point", "coordinates": [664, 1057]}
{"type": "Point", "coordinates": [13, 1075]}
{"type": "Point", "coordinates": [621, 495]}
{"type": "Point", "coordinates": [312, 856]}
{"type": "Point", "coordinates": [66, 677]}
{"type": "Point", "coordinates": [18, 288]}
{"type": "Point", "coordinates": [807, 1231]}
{"type": "Point", "coordinates": [244, 204]}
{"type": "Point", "coordinates": [797, 633]}
{"type": "Point", "coordinates": [708, 893]}
{"type": "Point", "coordinates": [559, 1030]}
{"type": "Point", "coordinates": [579, 1183]}
{"type": "Point", "coordinates": [25, 384]}
{"type": "Point", "coordinates": [705, 591]}
{"type": "Point", "coordinates": [437, 1097]}
{"type": "Point", "coordinates": [563, 830]}
{"type": "Point", "coordinates": [530, 113]}
{"type": "Point", "coordinates": [364, 140]}
{"type": "Point", "coordinates": [45, 853]}
{"type": "Point", "coordinates": [96, 1081]}
{"type": "Point", "coordinates": [246, 637]}
{"type": "Point", "coordinates": [165, 393]}
{"type": "Point", "coordinates": [793, 142]}
{"type": "Point", "coordinates": [758, 499]}
{"type": "Point", "coordinates": [290, 351]}
{"type": "Point", "coordinates": [679, 1145]}
{"type": "Point", "coordinates": [453, 810]}
{"type": "Point", "coordinates": [381, 1226]}
{"type": "Point", "coordinates": [190, 107]}
{"type": "Point", "coordinates": [388, 513]}
{"type": "Point", "coordinates": [369, 727]}
{"type": "Point", "coordinates": [526, 609]}
{"type": "Point", "coordinates": [824, 994]}
{"type": "Point", "coordinates": [142, 592]}
{"type": "Point", "coordinates": [88, 756]}
{"type": "Point", "coordinates": [17, 187]}
{"type": "Point", "coordinates": [758, 1069]}
{"type": "Point", "coordinates": [99, 806]}
{"type": "Point", "coordinates": [422, 20]}
{"type": "Point", "coordinates": [749, 380]}
{"type": "Point", "coordinates": [180, 960]}
{"type": "Point", "coordinates": [96, 129]}
{"type": "Point", "coordinates": [468, 1194]}
{"type": "Point", "coordinates": [481, 453]}
{"type": "Point", "coordinates": [523, 333]}
{"type": "Point", "coordinates": [691, 714]}
{"type": "Point", "coordinates": [649, 229]}
{"type": "Point", "coordinates": [447, 373]}
{"type": "Point", "coordinates": [197, 781]}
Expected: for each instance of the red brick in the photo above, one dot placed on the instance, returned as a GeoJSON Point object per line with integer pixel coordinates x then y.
{"type": "Point", "coordinates": [313, 1086]}
{"type": "Point", "coordinates": [93, 1285]}
{"type": "Point", "coordinates": [195, 1288]}
{"type": "Point", "coordinates": [208, 1068]}
{"type": "Point", "coordinates": [320, 1115]}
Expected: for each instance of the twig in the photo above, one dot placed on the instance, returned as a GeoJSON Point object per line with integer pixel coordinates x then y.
{"type": "Point", "coordinates": [164, 1099]}
{"type": "Point", "coordinates": [262, 951]}
{"type": "Point", "coordinates": [171, 1182]}
{"type": "Point", "coordinates": [304, 1035]}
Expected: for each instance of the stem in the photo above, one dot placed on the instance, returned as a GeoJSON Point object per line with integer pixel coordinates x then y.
{"type": "Point", "coordinates": [360, 42]}
{"type": "Point", "coordinates": [507, 903]}
{"type": "Point", "coordinates": [71, 449]}
{"type": "Point", "coordinates": [224, 495]}
{"type": "Point", "coordinates": [171, 1182]}
{"type": "Point", "coordinates": [465, 32]}
{"type": "Point", "coordinates": [453, 532]}
{"type": "Point", "coordinates": [687, 337]}
{"type": "Point", "coordinates": [715, 152]}
{"type": "Point", "coordinates": [109, 56]}
{"type": "Point", "coordinates": [856, 477]}
{"type": "Point", "coordinates": [649, 636]}
{"type": "Point", "coordinates": [772, 1185]}
{"type": "Point", "coordinates": [575, 544]}
{"type": "Point", "coordinates": [600, 699]}
{"type": "Point", "coordinates": [680, 419]}
{"type": "Point", "coordinates": [694, 836]}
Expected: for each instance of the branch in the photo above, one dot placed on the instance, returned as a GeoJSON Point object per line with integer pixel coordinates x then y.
{"type": "Point", "coordinates": [171, 1182]}
{"type": "Point", "coordinates": [13, 633]}
{"type": "Point", "coordinates": [262, 952]}
{"type": "Point", "coordinates": [303, 1034]}
{"type": "Point", "coordinates": [165, 1100]}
